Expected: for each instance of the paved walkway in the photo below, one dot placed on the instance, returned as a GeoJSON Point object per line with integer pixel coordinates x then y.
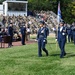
{"type": "Point", "coordinates": [31, 41]}
{"type": "Point", "coordinates": [18, 43]}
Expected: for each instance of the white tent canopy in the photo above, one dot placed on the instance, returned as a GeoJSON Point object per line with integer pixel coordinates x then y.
{"type": "Point", "coordinates": [1, 9]}
{"type": "Point", "coordinates": [13, 7]}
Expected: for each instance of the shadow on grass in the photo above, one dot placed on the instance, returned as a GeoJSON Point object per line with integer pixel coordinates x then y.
{"type": "Point", "coordinates": [67, 55]}
{"type": "Point", "coordinates": [51, 43]}
{"type": "Point", "coordinates": [70, 55]}
{"type": "Point", "coordinates": [54, 54]}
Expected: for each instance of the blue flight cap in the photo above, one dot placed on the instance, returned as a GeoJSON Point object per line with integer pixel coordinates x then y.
{"type": "Point", "coordinates": [61, 22]}
{"type": "Point", "coordinates": [42, 22]}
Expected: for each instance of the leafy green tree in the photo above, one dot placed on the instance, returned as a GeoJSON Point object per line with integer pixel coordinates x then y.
{"type": "Point", "coordinates": [1, 1]}
{"type": "Point", "coordinates": [66, 10]}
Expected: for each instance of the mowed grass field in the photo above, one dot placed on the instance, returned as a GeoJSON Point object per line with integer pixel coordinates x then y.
{"type": "Point", "coordinates": [24, 60]}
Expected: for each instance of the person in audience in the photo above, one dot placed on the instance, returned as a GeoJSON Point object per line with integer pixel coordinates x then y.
{"type": "Point", "coordinates": [23, 33]}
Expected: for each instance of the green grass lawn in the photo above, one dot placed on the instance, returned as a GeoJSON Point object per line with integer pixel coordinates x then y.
{"type": "Point", "coordinates": [24, 60]}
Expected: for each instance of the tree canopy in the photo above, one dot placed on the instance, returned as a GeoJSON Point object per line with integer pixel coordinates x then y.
{"type": "Point", "coordinates": [67, 7]}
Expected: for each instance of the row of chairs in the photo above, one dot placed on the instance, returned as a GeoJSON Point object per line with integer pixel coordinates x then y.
{"type": "Point", "coordinates": [4, 39]}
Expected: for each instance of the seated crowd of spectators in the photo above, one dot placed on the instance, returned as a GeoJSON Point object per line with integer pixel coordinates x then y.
{"type": "Point", "coordinates": [31, 23]}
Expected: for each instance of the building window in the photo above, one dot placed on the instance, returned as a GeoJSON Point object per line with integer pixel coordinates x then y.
{"type": "Point", "coordinates": [16, 6]}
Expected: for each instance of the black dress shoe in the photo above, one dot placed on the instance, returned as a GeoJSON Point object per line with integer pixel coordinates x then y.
{"type": "Point", "coordinates": [9, 46]}
{"type": "Point", "coordinates": [61, 57]}
{"type": "Point", "coordinates": [23, 44]}
{"type": "Point", "coordinates": [47, 54]}
{"type": "Point", "coordinates": [40, 55]}
{"type": "Point", "coordinates": [64, 54]}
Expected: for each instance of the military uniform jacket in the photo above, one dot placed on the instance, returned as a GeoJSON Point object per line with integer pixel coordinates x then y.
{"type": "Point", "coordinates": [23, 30]}
{"type": "Point", "coordinates": [73, 30]}
{"type": "Point", "coordinates": [41, 33]}
{"type": "Point", "coordinates": [61, 33]}
{"type": "Point", "coordinates": [10, 30]}
{"type": "Point", "coordinates": [46, 31]}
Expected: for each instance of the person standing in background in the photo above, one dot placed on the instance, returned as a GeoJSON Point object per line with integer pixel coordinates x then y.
{"type": "Point", "coordinates": [10, 32]}
{"type": "Point", "coordinates": [23, 33]}
{"type": "Point", "coordinates": [73, 30]}
{"type": "Point", "coordinates": [4, 21]}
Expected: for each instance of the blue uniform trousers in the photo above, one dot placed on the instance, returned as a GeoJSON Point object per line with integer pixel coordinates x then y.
{"type": "Point", "coordinates": [23, 40]}
{"type": "Point", "coordinates": [11, 40]}
{"type": "Point", "coordinates": [69, 37]}
{"type": "Point", "coordinates": [61, 43]}
{"type": "Point", "coordinates": [0, 39]}
{"type": "Point", "coordinates": [41, 45]}
{"type": "Point", "coordinates": [74, 38]}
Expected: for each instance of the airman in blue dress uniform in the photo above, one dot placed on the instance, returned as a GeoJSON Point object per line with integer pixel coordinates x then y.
{"type": "Point", "coordinates": [62, 39]}
{"type": "Point", "coordinates": [23, 33]}
{"type": "Point", "coordinates": [73, 31]}
{"type": "Point", "coordinates": [69, 33]}
{"type": "Point", "coordinates": [10, 32]}
{"type": "Point", "coordinates": [41, 37]}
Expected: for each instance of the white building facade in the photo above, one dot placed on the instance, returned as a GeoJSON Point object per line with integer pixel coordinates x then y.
{"type": "Point", "coordinates": [13, 7]}
{"type": "Point", "coordinates": [1, 9]}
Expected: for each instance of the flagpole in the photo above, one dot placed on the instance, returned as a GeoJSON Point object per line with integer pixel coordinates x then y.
{"type": "Point", "coordinates": [58, 22]}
